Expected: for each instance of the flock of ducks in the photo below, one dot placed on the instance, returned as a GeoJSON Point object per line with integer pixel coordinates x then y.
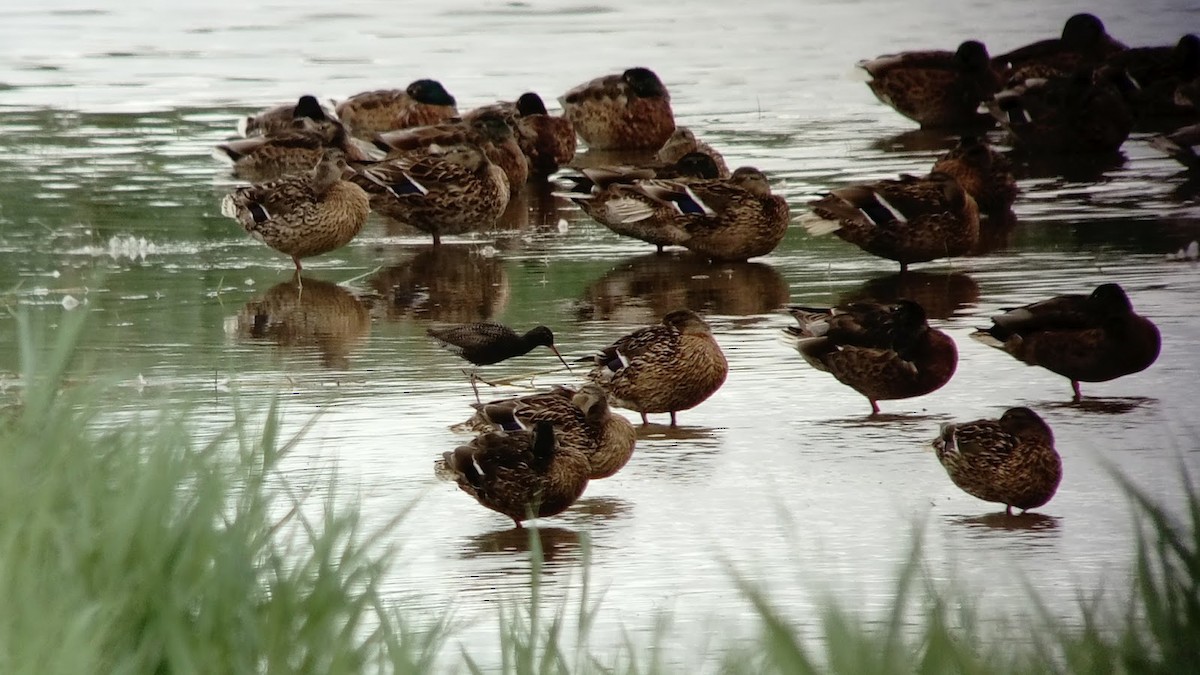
{"type": "Point", "coordinates": [410, 156]}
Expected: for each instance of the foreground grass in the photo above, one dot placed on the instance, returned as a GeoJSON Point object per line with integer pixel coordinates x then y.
{"type": "Point", "coordinates": [138, 550]}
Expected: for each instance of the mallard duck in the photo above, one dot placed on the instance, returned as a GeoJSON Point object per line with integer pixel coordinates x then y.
{"type": "Point", "coordinates": [1066, 114]}
{"type": "Point", "coordinates": [883, 352]}
{"type": "Point", "coordinates": [682, 143]}
{"type": "Point", "coordinates": [733, 219]}
{"type": "Point", "coordinates": [1086, 338]}
{"type": "Point", "coordinates": [936, 88]}
{"type": "Point", "coordinates": [907, 220]}
{"type": "Point", "coordinates": [1180, 145]}
{"type": "Point", "coordinates": [486, 342]}
{"type": "Point", "coordinates": [675, 365]}
{"type": "Point", "coordinates": [439, 190]}
{"type": "Point", "coordinates": [629, 111]}
{"type": "Point", "coordinates": [422, 103]}
{"type": "Point", "coordinates": [1084, 44]}
{"type": "Point", "coordinates": [1156, 73]}
{"type": "Point", "coordinates": [522, 474]}
{"type": "Point", "coordinates": [609, 194]}
{"type": "Point", "coordinates": [489, 129]}
{"type": "Point", "coordinates": [1011, 460]}
{"type": "Point", "coordinates": [305, 215]}
{"type": "Point", "coordinates": [985, 173]}
{"type": "Point", "coordinates": [294, 151]}
{"type": "Point", "coordinates": [581, 419]}
{"type": "Point", "coordinates": [282, 118]}
{"type": "Point", "coordinates": [547, 141]}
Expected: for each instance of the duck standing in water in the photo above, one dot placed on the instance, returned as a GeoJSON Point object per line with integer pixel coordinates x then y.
{"type": "Point", "coordinates": [1011, 461]}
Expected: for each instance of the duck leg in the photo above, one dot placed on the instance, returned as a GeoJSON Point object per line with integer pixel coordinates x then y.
{"type": "Point", "coordinates": [874, 406]}
{"type": "Point", "coordinates": [299, 269]}
{"type": "Point", "coordinates": [1078, 395]}
{"type": "Point", "coordinates": [672, 418]}
{"type": "Point", "coordinates": [644, 420]}
{"type": "Point", "coordinates": [1008, 509]}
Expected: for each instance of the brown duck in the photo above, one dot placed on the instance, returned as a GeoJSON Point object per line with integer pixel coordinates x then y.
{"type": "Point", "coordinates": [985, 173]}
{"type": "Point", "coordinates": [489, 130]}
{"type": "Point", "coordinates": [522, 474]}
{"type": "Point", "coordinates": [422, 103]}
{"type": "Point", "coordinates": [302, 216]}
{"type": "Point", "coordinates": [883, 352]}
{"type": "Point", "coordinates": [1085, 338]}
{"type": "Point", "coordinates": [675, 365]}
{"type": "Point", "coordinates": [283, 117]}
{"type": "Point", "coordinates": [626, 111]}
{"type": "Point", "coordinates": [291, 151]}
{"type": "Point", "coordinates": [1011, 460]}
{"type": "Point", "coordinates": [936, 88]}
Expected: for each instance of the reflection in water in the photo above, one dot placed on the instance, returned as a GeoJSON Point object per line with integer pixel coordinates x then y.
{"type": "Point", "coordinates": [644, 288]}
{"type": "Point", "coordinates": [1102, 406]}
{"type": "Point", "coordinates": [942, 294]}
{"type": "Point", "coordinates": [559, 545]}
{"type": "Point", "coordinates": [684, 453]}
{"type": "Point", "coordinates": [1078, 167]}
{"type": "Point", "coordinates": [1030, 521]}
{"type": "Point", "coordinates": [449, 283]}
{"type": "Point", "coordinates": [533, 208]}
{"type": "Point", "coordinates": [995, 229]}
{"type": "Point", "coordinates": [320, 314]}
{"type": "Point", "coordinates": [917, 140]}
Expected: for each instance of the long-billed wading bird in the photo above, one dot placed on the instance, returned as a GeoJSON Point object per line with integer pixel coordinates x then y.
{"type": "Point", "coordinates": [487, 342]}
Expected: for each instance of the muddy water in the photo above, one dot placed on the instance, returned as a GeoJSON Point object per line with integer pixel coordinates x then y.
{"type": "Point", "coordinates": [108, 197]}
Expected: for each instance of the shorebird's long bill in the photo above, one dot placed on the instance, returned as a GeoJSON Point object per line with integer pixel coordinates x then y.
{"type": "Point", "coordinates": [560, 358]}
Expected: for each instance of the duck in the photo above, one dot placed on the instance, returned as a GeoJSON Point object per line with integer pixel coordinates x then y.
{"type": "Point", "coordinates": [610, 194]}
{"type": "Point", "coordinates": [936, 88]}
{"type": "Point", "coordinates": [304, 215]}
{"type": "Point", "coordinates": [439, 190]}
{"type": "Point", "coordinates": [724, 220]}
{"type": "Point", "coordinates": [1083, 45]}
{"type": "Point", "coordinates": [1011, 461]}
{"type": "Point", "coordinates": [522, 474]}
{"type": "Point", "coordinates": [981, 170]}
{"type": "Point", "coordinates": [489, 129]}
{"type": "Point", "coordinates": [1180, 145]}
{"type": "Point", "coordinates": [548, 141]}
{"type": "Point", "coordinates": [684, 142]}
{"type": "Point", "coordinates": [1085, 338]}
{"type": "Point", "coordinates": [422, 102]}
{"type": "Point", "coordinates": [263, 158]}
{"type": "Point", "coordinates": [909, 220]}
{"type": "Point", "coordinates": [282, 117]}
{"type": "Point", "coordinates": [483, 343]}
{"type": "Point", "coordinates": [1156, 74]}
{"type": "Point", "coordinates": [626, 111]}
{"type": "Point", "coordinates": [1078, 113]}
{"type": "Point", "coordinates": [581, 418]}
{"type": "Point", "coordinates": [665, 368]}
{"type": "Point", "coordinates": [884, 352]}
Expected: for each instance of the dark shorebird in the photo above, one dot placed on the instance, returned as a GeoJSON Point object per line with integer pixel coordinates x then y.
{"type": "Point", "coordinates": [488, 342]}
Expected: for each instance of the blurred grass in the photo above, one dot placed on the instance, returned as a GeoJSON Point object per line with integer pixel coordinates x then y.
{"type": "Point", "coordinates": [138, 550]}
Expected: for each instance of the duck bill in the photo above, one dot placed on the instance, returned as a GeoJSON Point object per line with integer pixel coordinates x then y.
{"type": "Point", "coordinates": [560, 358]}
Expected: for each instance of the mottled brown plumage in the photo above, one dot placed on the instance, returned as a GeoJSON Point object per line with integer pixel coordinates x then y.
{"type": "Point", "coordinates": [936, 88]}
{"type": "Point", "coordinates": [907, 220]}
{"type": "Point", "coordinates": [315, 314]}
{"type": "Point", "coordinates": [1011, 461]}
{"type": "Point", "coordinates": [672, 366]}
{"type": "Point", "coordinates": [1066, 114]}
{"type": "Point", "coordinates": [439, 190]}
{"type": "Point", "coordinates": [547, 141]}
{"type": "Point", "coordinates": [1085, 338]}
{"type": "Point", "coordinates": [488, 130]}
{"type": "Point", "coordinates": [1083, 45]}
{"type": "Point", "coordinates": [304, 215]}
{"type": "Point", "coordinates": [282, 118]}
{"type": "Point", "coordinates": [611, 196]}
{"type": "Point", "coordinates": [522, 474]}
{"type": "Point", "coordinates": [628, 111]}
{"type": "Point", "coordinates": [582, 419]}
{"type": "Point", "coordinates": [1158, 72]}
{"type": "Point", "coordinates": [883, 352]}
{"type": "Point", "coordinates": [423, 102]}
{"type": "Point", "coordinates": [982, 171]}
{"type": "Point", "coordinates": [292, 151]}
{"type": "Point", "coordinates": [684, 142]}
{"type": "Point", "coordinates": [731, 220]}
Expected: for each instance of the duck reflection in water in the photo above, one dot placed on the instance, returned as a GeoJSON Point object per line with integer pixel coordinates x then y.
{"type": "Point", "coordinates": [445, 283]}
{"type": "Point", "coordinates": [1030, 521]}
{"type": "Point", "coordinates": [941, 294]}
{"type": "Point", "coordinates": [559, 546]}
{"type": "Point", "coordinates": [317, 314]}
{"type": "Point", "coordinates": [642, 288]}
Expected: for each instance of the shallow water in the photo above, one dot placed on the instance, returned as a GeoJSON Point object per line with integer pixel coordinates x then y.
{"type": "Point", "coordinates": [108, 197]}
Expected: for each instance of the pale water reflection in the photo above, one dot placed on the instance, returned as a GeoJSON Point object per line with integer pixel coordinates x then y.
{"type": "Point", "coordinates": [108, 196]}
